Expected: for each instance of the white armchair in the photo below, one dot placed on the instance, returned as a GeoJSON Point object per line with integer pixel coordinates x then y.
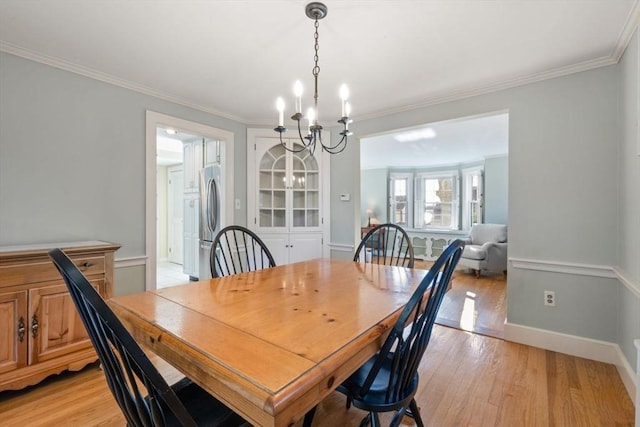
{"type": "Point", "coordinates": [486, 249]}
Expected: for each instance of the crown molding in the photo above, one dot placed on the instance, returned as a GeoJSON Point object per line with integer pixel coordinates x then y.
{"type": "Point", "coordinates": [629, 28]}
{"type": "Point", "coordinates": [106, 78]}
{"type": "Point", "coordinates": [633, 20]}
{"type": "Point", "coordinates": [631, 24]}
{"type": "Point", "coordinates": [497, 86]}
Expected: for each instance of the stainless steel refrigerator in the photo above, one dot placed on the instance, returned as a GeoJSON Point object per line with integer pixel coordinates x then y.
{"type": "Point", "coordinates": [211, 197]}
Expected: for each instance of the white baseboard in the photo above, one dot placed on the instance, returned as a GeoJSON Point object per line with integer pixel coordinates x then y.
{"type": "Point", "coordinates": [601, 351]}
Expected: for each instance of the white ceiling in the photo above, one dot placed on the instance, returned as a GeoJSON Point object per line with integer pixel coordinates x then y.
{"type": "Point", "coordinates": [233, 58]}
{"type": "Point", "coordinates": [447, 143]}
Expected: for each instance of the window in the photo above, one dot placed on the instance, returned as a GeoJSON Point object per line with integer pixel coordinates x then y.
{"type": "Point", "coordinates": [437, 200]}
{"type": "Point", "coordinates": [400, 195]}
{"type": "Point", "coordinates": [446, 200]}
{"type": "Point", "coordinates": [473, 194]}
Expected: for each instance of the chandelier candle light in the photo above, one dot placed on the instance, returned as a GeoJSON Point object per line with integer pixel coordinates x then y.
{"type": "Point", "coordinates": [315, 11]}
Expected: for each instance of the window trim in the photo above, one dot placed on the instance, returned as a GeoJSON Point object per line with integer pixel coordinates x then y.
{"type": "Point", "coordinates": [465, 213]}
{"type": "Point", "coordinates": [419, 199]}
{"type": "Point", "coordinates": [393, 176]}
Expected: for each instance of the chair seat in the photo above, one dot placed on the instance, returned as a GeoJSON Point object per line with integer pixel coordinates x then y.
{"type": "Point", "coordinates": [474, 252]}
{"type": "Point", "coordinates": [205, 409]}
{"type": "Point", "coordinates": [376, 397]}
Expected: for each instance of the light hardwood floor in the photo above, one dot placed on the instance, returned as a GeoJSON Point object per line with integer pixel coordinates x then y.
{"type": "Point", "coordinates": [465, 380]}
{"type": "Point", "coordinates": [473, 304]}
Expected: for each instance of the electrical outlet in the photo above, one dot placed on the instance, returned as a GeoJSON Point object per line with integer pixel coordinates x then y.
{"type": "Point", "coordinates": [550, 298]}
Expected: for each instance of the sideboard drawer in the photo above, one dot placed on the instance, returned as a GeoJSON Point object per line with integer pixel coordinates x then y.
{"type": "Point", "coordinates": [43, 271]}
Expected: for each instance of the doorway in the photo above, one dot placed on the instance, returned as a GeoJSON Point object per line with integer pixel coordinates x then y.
{"type": "Point", "coordinates": [165, 138]}
{"type": "Point", "coordinates": [175, 217]}
{"type": "Point", "coordinates": [453, 174]}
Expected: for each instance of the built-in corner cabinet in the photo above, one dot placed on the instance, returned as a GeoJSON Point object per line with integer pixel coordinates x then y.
{"type": "Point", "coordinates": [286, 205]}
{"type": "Point", "coordinates": [41, 332]}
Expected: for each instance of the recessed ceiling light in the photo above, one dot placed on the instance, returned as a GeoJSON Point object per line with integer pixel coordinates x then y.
{"type": "Point", "coordinates": [415, 135]}
{"type": "Point", "coordinates": [171, 131]}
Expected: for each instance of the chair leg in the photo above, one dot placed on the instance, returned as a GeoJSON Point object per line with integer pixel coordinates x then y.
{"type": "Point", "coordinates": [348, 402]}
{"type": "Point", "coordinates": [415, 413]}
{"type": "Point", "coordinates": [308, 417]}
{"type": "Point", "coordinates": [395, 422]}
{"type": "Point", "coordinates": [365, 421]}
{"type": "Point", "coordinates": [477, 274]}
{"type": "Point", "coordinates": [375, 420]}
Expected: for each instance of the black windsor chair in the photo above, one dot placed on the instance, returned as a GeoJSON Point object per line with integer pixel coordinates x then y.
{"type": "Point", "coordinates": [129, 372]}
{"type": "Point", "coordinates": [386, 244]}
{"type": "Point", "coordinates": [389, 380]}
{"type": "Point", "coordinates": [237, 249]}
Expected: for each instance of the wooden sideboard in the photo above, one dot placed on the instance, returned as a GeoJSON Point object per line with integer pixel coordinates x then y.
{"type": "Point", "coordinates": [41, 332]}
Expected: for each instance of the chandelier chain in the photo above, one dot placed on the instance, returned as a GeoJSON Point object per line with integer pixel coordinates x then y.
{"type": "Point", "coordinates": [316, 68]}
{"type": "Point", "coordinates": [316, 47]}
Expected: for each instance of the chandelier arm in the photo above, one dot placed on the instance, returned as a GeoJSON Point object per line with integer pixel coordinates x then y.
{"type": "Point", "coordinates": [302, 138]}
{"type": "Point", "coordinates": [284, 145]}
{"type": "Point", "coordinates": [339, 147]}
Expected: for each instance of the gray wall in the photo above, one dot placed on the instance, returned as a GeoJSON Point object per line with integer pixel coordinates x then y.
{"type": "Point", "coordinates": [629, 199]}
{"type": "Point", "coordinates": [496, 190]}
{"type": "Point", "coordinates": [563, 144]}
{"type": "Point", "coordinates": [72, 157]}
{"type": "Point", "coordinates": [373, 194]}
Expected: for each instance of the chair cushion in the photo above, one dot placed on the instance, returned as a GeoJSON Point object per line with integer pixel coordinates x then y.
{"type": "Point", "coordinates": [474, 252]}
{"type": "Point", "coordinates": [377, 395]}
{"type": "Point", "coordinates": [205, 409]}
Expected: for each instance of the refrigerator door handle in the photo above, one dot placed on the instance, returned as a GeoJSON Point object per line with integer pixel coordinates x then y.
{"type": "Point", "coordinates": [212, 206]}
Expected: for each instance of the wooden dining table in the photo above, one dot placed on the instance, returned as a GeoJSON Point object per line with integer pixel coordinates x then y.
{"type": "Point", "coordinates": [271, 344]}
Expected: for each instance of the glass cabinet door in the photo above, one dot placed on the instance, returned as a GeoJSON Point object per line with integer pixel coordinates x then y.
{"type": "Point", "coordinates": [288, 189]}
{"type": "Point", "coordinates": [272, 188]}
{"type": "Point", "coordinates": [305, 180]}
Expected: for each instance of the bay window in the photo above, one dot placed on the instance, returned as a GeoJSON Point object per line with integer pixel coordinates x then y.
{"type": "Point", "coordinates": [442, 200]}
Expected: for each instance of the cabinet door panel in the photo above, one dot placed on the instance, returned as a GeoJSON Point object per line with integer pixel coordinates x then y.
{"type": "Point", "coordinates": [13, 317]}
{"type": "Point", "coordinates": [304, 246]}
{"type": "Point", "coordinates": [278, 245]}
{"type": "Point", "coordinates": [55, 328]}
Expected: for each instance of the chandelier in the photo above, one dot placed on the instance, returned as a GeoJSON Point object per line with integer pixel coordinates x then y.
{"type": "Point", "coordinates": [315, 11]}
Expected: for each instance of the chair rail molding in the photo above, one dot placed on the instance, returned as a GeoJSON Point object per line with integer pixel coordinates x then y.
{"type": "Point", "coordinates": [130, 261]}
{"type": "Point", "coordinates": [341, 247]}
{"type": "Point", "coordinates": [564, 267]}
{"type": "Point", "coordinates": [579, 269]}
